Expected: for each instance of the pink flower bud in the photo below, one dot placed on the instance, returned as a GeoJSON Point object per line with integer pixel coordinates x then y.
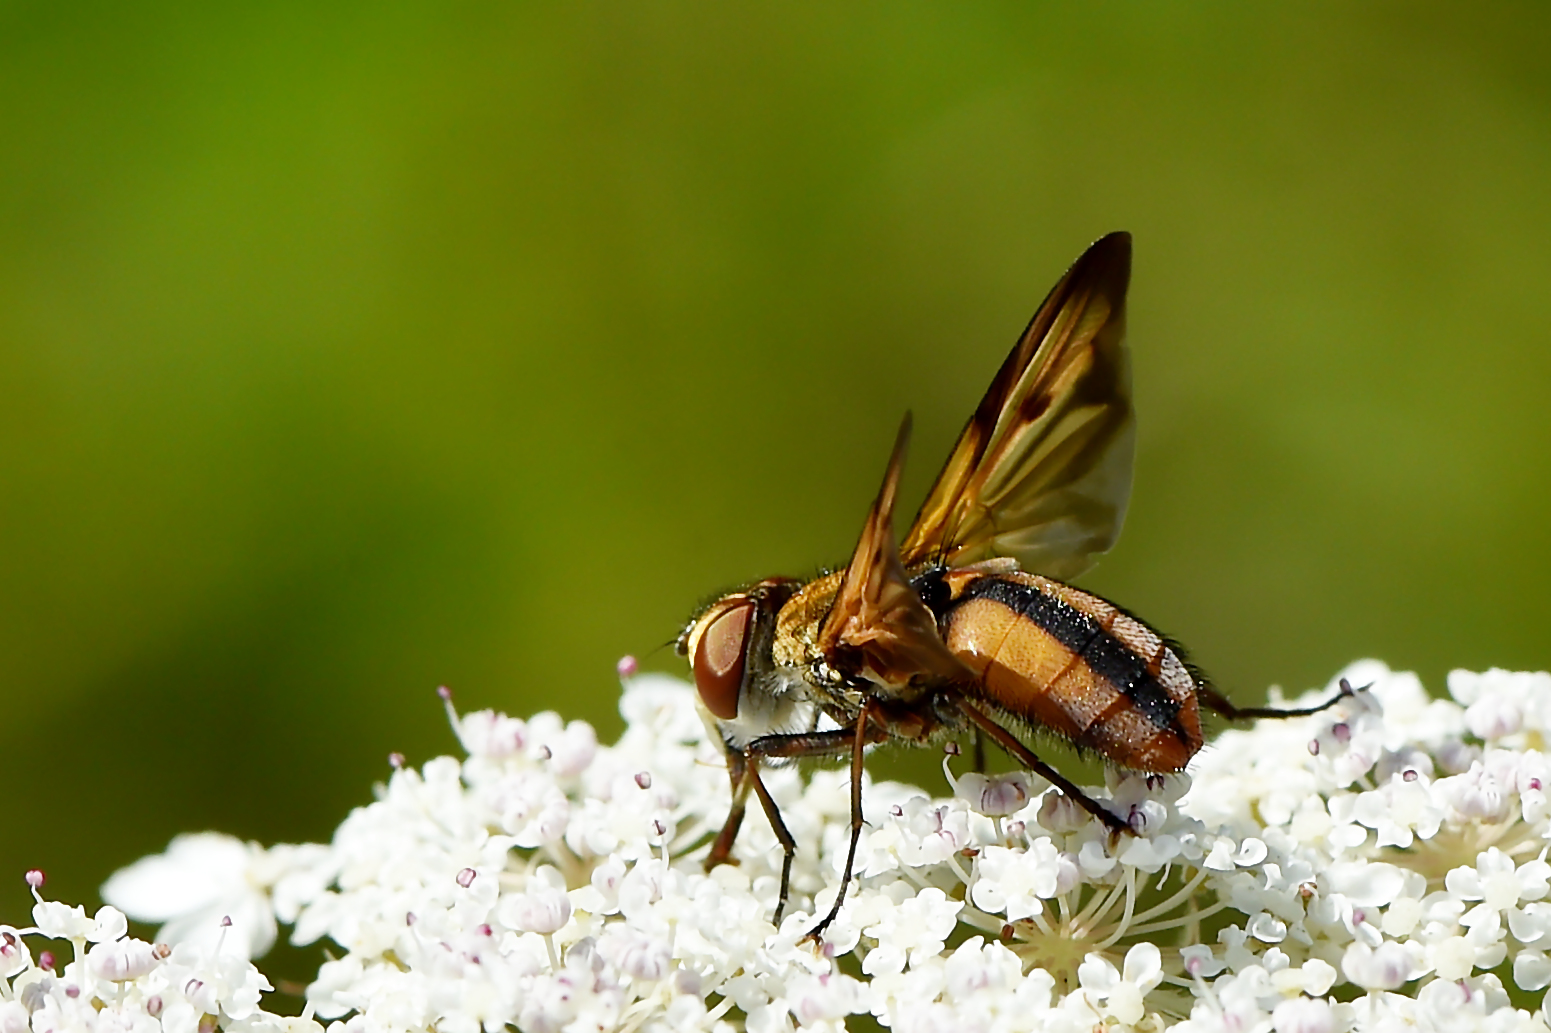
{"type": "Point", "coordinates": [994, 796]}
{"type": "Point", "coordinates": [1303, 1015]}
{"type": "Point", "coordinates": [1494, 716]}
{"type": "Point", "coordinates": [541, 910]}
{"type": "Point", "coordinates": [1061, 814]}
{"type": "Point", "coordinates": [635, 953]}
{"type": "Point", "coordinates": [119, 961]}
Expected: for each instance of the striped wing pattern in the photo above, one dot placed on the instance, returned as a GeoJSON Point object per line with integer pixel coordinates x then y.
{"type": "Point", "coordinates": [1042, 472]}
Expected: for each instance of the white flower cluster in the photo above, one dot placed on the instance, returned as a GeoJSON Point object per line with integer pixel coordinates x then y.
{"type": "Point", "coordinates": [1381, 865]}
{"type": "Point", "coordinates": [119, 984]}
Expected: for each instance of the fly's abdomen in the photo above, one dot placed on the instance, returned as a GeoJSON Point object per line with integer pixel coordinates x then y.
{"type": "Point", "coordinates": [1077, 665]}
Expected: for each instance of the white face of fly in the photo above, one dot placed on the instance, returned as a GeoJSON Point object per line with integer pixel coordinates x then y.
{"type": "Point", "coordinates": [777, 703]}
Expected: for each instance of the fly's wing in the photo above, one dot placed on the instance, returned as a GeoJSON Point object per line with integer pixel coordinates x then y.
{"type": "Point", "coordinates": [1043, 470]}
{"type": "Point", "coordinates": [878, 627]}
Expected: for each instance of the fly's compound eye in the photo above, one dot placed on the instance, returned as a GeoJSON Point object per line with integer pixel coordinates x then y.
{"type": "Point", "coordinates": [719, 659]}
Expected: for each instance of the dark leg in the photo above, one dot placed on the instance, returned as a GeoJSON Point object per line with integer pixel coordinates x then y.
{"type": "Point", "coordinates": [746, 777]}
{"type": "Point", "coordinates": [856, 821]}
{"type": "Point", "coordinates": [980, 751]}
{"type": "Point", "coordinates": [788, 844]}
{"type": "Point", "coordinates": [1025, 756]}
{"type": "Point", "coordinates": [1214, 700]}
{"type": "Point", "coordinates": [737, 769]}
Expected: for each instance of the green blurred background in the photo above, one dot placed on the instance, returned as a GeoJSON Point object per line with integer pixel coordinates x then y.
{"type": "Point", "coordinates": [347, 350]}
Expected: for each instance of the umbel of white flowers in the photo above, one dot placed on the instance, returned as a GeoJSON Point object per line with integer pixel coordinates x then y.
{"type": "Point", "coordinates": [1378, 866]}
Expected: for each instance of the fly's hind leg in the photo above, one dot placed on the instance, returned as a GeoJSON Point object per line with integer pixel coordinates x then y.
{"type": "Point", "coordinates": [1216, 701]}
{"type": "Point", "coordinates": [1025, 756]}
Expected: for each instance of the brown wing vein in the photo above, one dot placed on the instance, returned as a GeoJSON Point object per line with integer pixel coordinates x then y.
{"type": "Point", "coordinates": [1042, 471]}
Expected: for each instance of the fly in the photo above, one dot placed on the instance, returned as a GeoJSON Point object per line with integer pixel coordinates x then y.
{"type": "Point", "coordinates": [968, 624]}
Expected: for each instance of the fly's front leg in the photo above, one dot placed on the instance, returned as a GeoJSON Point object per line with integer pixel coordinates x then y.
{"type": "Point", "coordinates": [1216, 701]}
{"type": "Point", "coordinates": [782, 835]}
{"type": "Point", "coordinates": [859, 740]}
{"type": "Point", "coordinates": [738, 770]}
{"type": "Point", "coordinates": [793, 747]}
{"type": "Point", "coordinates": [743, 769]}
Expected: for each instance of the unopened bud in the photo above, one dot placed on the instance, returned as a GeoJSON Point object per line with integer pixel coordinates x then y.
{"type": "Point", "coordinates": [994, 796]}
{"type": "Point", "coordinates": [1061, 814]}
{"type": "Point", "coordinates": [541, 910]}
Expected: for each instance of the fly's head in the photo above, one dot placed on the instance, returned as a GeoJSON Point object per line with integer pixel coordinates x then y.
{"type": "Point", "coordinates": [728, 646]}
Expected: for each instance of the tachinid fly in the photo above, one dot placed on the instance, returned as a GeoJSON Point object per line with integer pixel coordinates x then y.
{"type": "Point", "coordinates": [963, 626]}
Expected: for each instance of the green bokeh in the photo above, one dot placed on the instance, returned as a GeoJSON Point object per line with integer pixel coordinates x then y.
{"type": "Point", "coordinates": [349, 350]}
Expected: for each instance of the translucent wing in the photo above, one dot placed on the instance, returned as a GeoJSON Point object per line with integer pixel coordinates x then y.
{"type": "Point", "coordinates": [878, 627]}
{"type": "Point", "coordinates": [1042, 472]}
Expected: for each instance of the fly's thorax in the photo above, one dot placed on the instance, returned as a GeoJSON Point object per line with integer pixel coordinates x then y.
{"type": "Point", "coordinates": [796, 643]}
{"type": "Point", "coordinates": [1072, 662]}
